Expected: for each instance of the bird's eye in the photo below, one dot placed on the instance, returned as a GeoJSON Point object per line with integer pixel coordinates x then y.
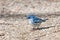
{"type": "Point", "coordinates": [28, 17]}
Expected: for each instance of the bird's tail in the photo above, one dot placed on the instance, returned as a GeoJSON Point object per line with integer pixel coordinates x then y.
{"type": "Point", "coordinates": [44, 20]}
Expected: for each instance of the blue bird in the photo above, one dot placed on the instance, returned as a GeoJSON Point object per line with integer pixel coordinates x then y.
{"type": "Point", "coordinates": [34, 20]}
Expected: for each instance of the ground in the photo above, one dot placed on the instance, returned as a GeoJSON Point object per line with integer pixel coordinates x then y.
{"type": "Point", "coordinates": [14, 24]}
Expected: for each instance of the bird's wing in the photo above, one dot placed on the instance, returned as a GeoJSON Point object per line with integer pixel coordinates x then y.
{"type": "Point", "coordinates": [37, 20]}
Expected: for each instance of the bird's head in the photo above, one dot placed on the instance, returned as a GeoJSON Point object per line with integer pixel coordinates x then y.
{"type": "Point", "coordinates": [30, 16]}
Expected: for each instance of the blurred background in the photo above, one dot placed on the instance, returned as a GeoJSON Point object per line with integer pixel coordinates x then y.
{"type": "Point", "coordinates": [14, 25]}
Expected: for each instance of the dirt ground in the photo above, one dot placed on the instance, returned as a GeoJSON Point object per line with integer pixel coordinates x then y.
{"type": "Point", "coordinates": [14, 24]}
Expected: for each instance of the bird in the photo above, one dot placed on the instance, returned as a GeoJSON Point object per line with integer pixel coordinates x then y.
{"type": "Point", "coordinates": [35, 21]}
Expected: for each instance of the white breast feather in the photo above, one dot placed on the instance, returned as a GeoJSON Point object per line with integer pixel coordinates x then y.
{"type": "Point", "coordinates": [30, 21]}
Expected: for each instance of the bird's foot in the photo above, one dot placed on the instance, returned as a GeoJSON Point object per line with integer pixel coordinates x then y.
{"type": "Point", "coordinates": [34, 29]}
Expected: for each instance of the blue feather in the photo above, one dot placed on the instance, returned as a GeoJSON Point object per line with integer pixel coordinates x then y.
{"type": "Point", "coordinates": [35, 19]}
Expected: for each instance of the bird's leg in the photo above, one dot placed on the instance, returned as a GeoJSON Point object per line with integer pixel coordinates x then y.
{"type": "Point", "coordinates": [36, 26]}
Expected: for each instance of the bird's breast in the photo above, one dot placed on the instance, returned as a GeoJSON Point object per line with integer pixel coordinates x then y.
{"type": "Point", "coordinates": [30, 21]}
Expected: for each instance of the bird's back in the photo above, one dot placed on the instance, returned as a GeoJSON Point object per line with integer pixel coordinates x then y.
{"type": "Point", "coordinates": [37, 20]}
